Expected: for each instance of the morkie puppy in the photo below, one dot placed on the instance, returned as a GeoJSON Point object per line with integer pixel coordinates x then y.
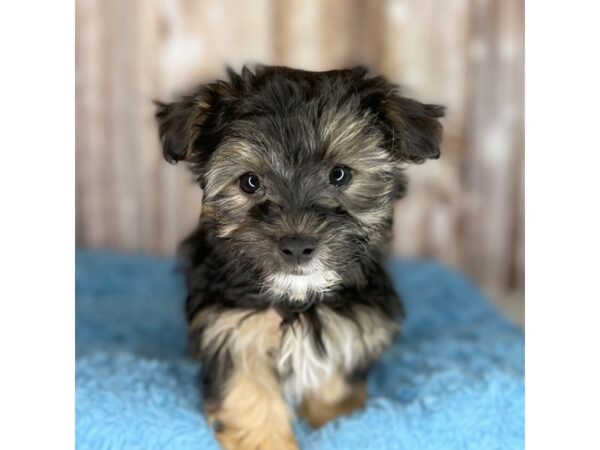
{"type": "Point", "coordinates": [288, 301]}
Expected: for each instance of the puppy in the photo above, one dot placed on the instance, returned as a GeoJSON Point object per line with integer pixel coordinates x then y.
{"type": "Point", "coordinates": [288, 301]}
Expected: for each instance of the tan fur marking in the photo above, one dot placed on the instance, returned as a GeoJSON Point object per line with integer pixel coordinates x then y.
{"type": "Point", "coordinates": [352, 141]}
{"type": "Point", "coordinates": [231, 159]}
{"type": "Point", "coordinates": [333, 399]}
{"type": "Point", "coordinates": [249, 334]}
{"type": "Point", "coordinates": [253, 414]}
{"type": "Point", "coordinates": [207, 212]}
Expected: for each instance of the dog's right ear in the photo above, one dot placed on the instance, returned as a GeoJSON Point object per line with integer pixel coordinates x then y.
{"type": "Point", "coordinates": [191, 127]}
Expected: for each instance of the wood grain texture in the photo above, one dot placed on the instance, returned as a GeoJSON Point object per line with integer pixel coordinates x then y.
{"type": "Point", "coordinates": [465, 209]}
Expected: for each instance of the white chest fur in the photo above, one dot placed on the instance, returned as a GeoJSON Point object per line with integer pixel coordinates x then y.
{"type": "Point", "coordinates": [253, 339]}
{"type": "Point", "coordinates": [348, 343]}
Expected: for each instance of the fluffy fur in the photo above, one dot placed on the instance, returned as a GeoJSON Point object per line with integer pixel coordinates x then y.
{"type": "Point", "coordinates": [273, 334]}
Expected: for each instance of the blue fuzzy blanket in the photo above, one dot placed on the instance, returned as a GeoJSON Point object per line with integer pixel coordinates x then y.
{"type": "Point", "coordinates": [453, 380]}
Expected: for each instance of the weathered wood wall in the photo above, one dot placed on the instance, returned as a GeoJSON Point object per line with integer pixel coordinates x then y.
{"type": "Point", "coordinates": [465, 209]}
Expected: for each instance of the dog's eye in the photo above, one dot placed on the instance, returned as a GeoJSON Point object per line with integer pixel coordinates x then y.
{"type": "Point", "coordinates": [340, 176]}
{"type": "Point", "coordinates": [249, 183]}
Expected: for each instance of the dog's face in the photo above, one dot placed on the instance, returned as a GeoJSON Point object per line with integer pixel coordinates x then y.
{"type": "Point", "coordinates": [300, 169]}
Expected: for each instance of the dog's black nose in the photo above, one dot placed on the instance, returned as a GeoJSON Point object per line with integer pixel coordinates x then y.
{"type": "Point", "coordinates": [297, 249]}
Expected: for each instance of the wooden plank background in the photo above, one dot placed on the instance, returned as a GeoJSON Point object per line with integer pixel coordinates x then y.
{"type": "Point", "coordinates": [465, 209]}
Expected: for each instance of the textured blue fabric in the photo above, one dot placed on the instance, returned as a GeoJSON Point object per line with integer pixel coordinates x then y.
{"type": "Point", "coordinates": [453, 380]}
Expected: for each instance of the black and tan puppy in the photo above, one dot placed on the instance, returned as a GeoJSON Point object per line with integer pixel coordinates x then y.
{"type": "Point", "coordinates": [289, 304]}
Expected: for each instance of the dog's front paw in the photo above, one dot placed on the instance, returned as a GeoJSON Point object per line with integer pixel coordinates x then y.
{"type": "Point", "coordinates": [336, 398]}
{"type": "Point", "coordinates": [232, 437]}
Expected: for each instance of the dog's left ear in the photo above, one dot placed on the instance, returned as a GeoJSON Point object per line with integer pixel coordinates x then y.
{"type": "Point", "coordinates": [412, 129]}
{"type": "Point", "coordinates": [415, 127]}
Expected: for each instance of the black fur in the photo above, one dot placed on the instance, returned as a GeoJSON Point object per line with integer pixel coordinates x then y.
{"type": "Point", "coordinates": [279, 114]}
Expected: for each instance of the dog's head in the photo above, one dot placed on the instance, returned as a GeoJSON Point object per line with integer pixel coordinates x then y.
{"type": "Point", "coordinates": [300, 169]}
